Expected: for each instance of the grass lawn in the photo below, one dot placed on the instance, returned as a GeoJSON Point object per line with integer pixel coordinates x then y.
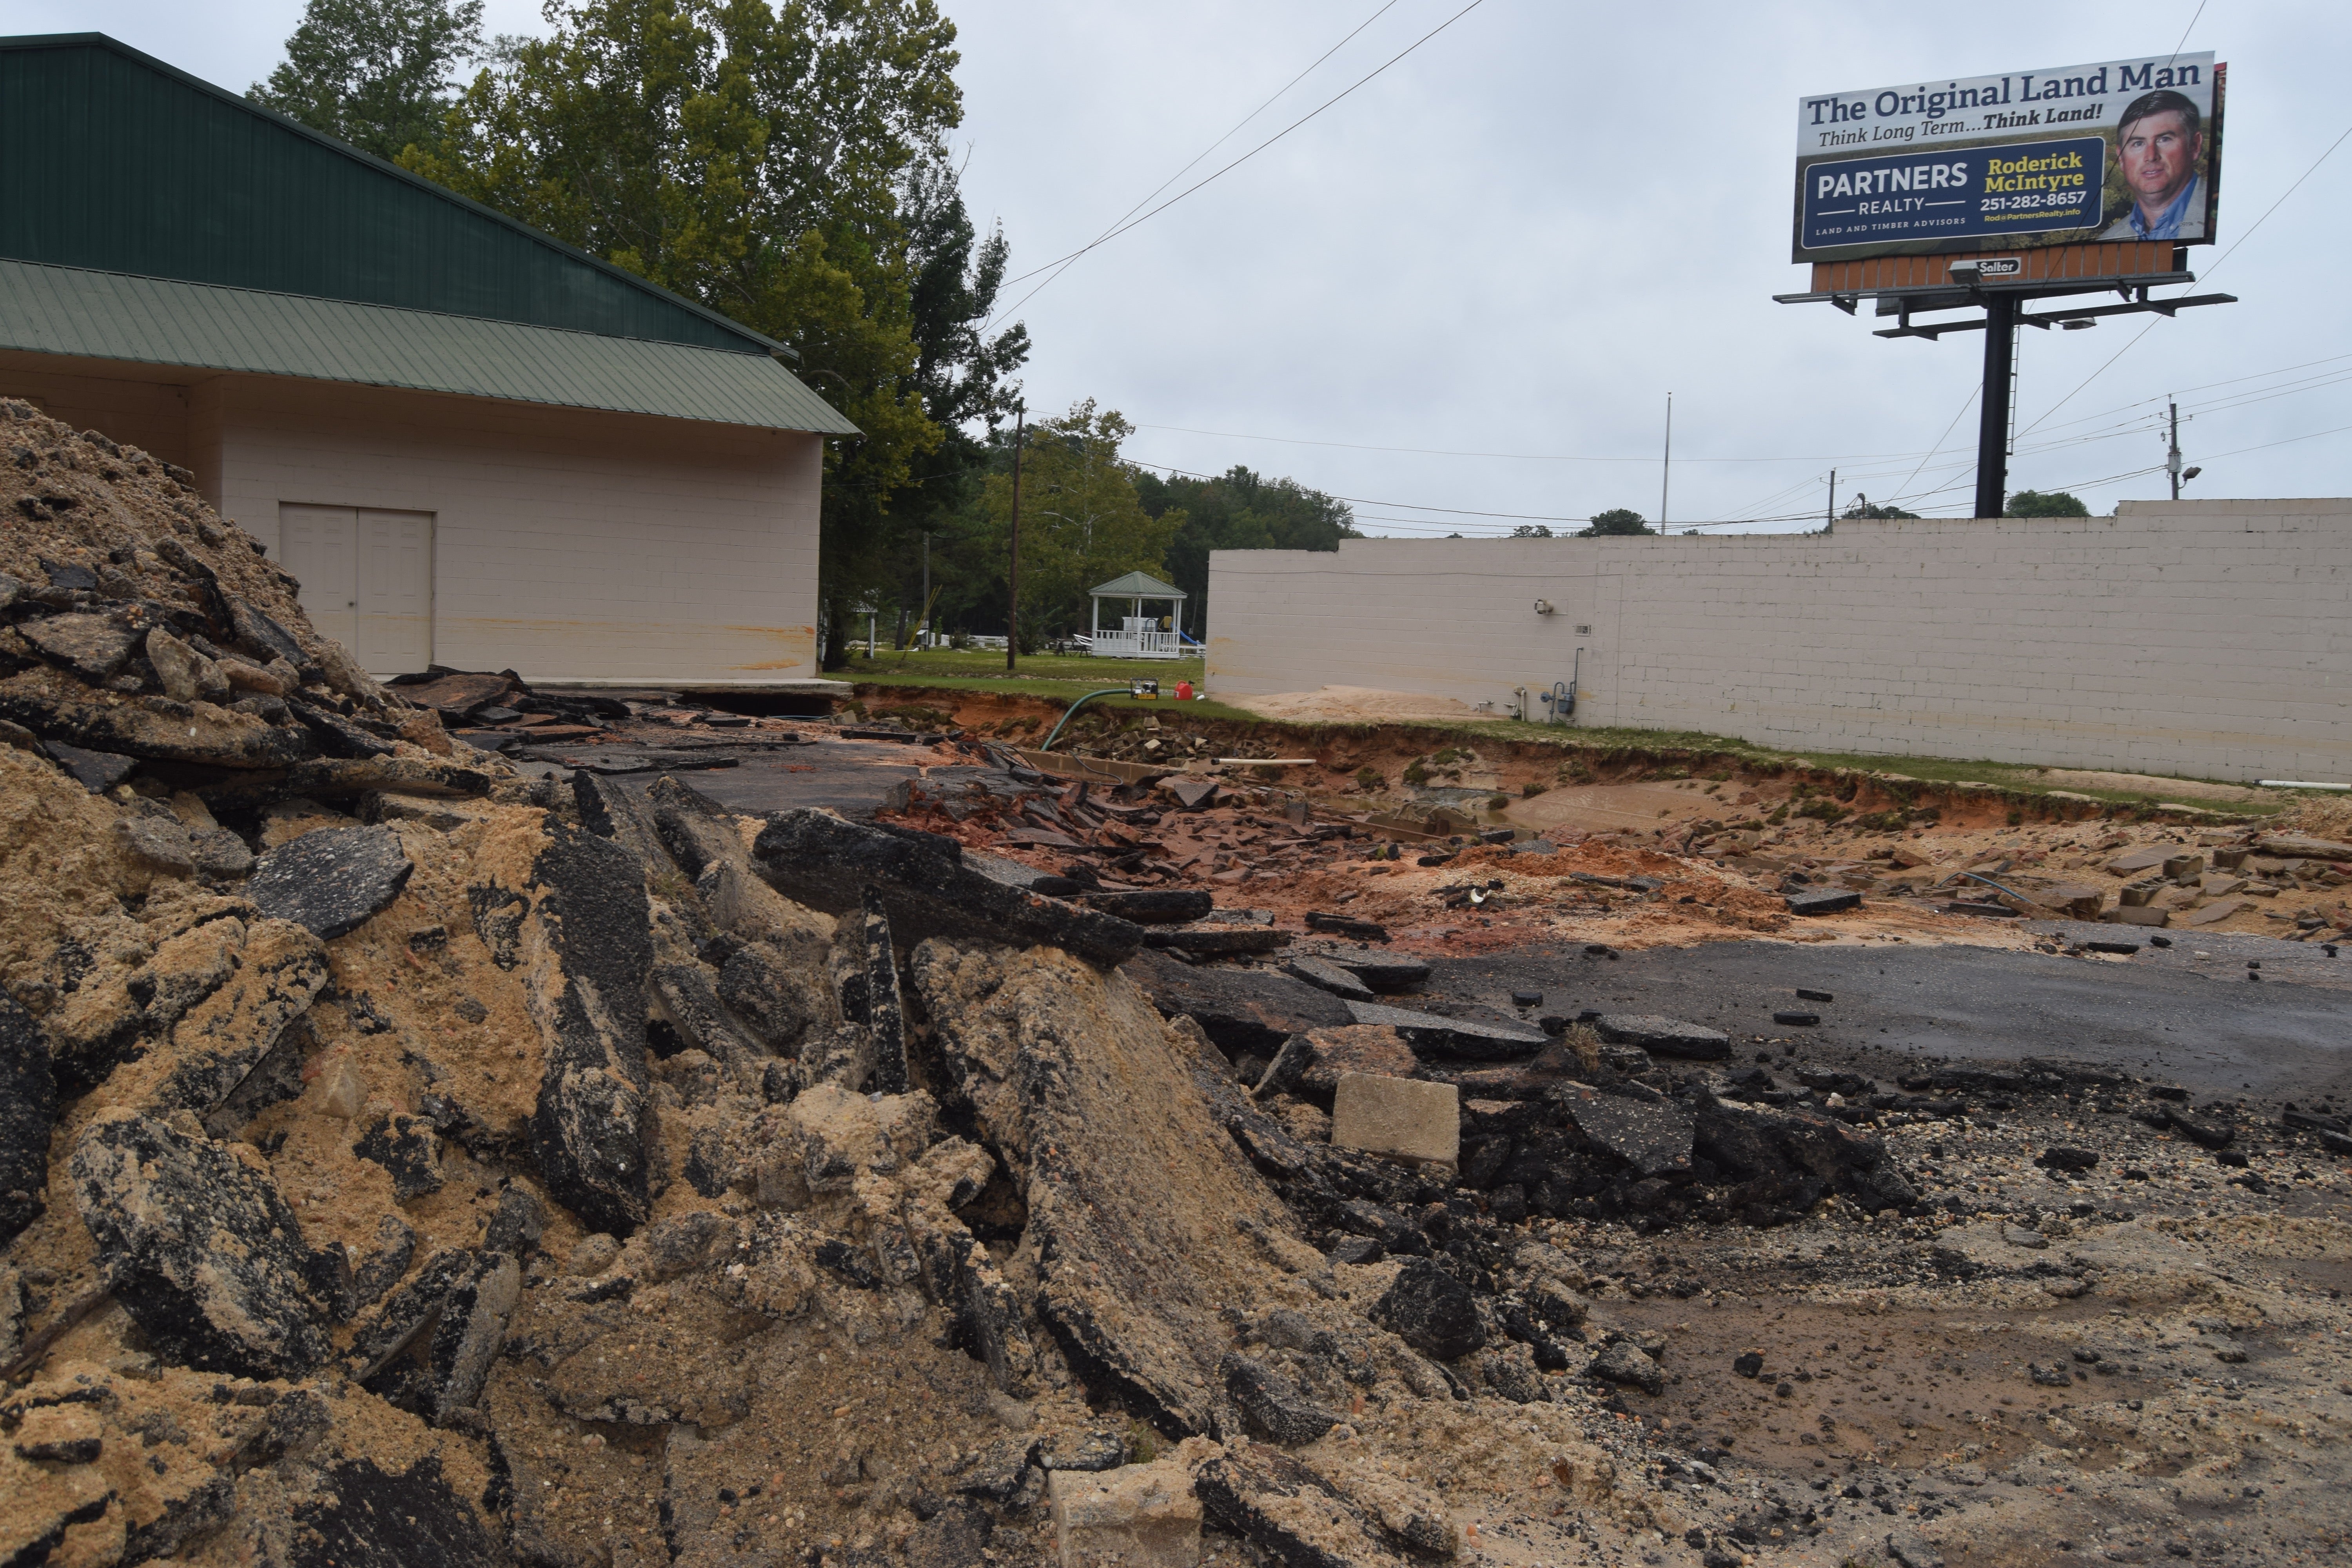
{"type": "Point", "coordinates": [981, 670]}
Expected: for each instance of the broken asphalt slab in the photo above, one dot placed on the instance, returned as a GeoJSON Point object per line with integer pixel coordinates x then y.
{"type": "Point", "coordinates": [1242, 1010]}
{"type": "Point", "coordinates": [1382, 971]}
{"type": "Point", "coordinates": [1467, 1039]}
{"type": "Point", "coordinates": [1074, 1078]}
{"type": "Point", "coordinates": [331, 881]}
{"type": "Point", "coordinates": [201, 1250]}
{"type": "Point", "coordinates": [1653, 1139]}
{"type": "Point", "coordinates": [824, 861]}
{"type": "Point", "coordinates": [853, 777]}
{"type": "Point", "coordinates": [593, 1130]}
{"type": "Point", "coordinates": [1324, 975]}
{"type": "Point", "coordinates": [1155, 906]}
{"type": "Point", "coordinates": [1663, 1037]}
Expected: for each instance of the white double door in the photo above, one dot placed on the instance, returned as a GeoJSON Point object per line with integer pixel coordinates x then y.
{"type": "Point", "coordinates": [367, 580]}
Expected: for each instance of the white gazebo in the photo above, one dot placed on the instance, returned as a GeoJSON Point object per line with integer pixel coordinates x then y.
{"type": "Point", "coordinates": [1139, 635]}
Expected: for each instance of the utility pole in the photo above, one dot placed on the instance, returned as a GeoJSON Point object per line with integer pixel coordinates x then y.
{"type": "Point", "coordinates": [1013, 572]}
{"type": "Point", "coordinates": [1666, 467]}
{"type": "Point", "coordinates": [1829, 519]}
{"type": "Point", "coordinates": [923, 630]}
{"type": "Point", "coordinates": [2172, 447]}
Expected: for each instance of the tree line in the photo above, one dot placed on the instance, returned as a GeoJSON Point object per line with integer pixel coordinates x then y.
{"type": "Point", "coordinates": [785, 162]}
{"type": "Point", "coordinates": [787, 165]}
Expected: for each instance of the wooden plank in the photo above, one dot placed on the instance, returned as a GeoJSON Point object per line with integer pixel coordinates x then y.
{"type": "Point", "coordinates": [1099, 770]}
{"type": "Point", "coordinates": [1398, 829]}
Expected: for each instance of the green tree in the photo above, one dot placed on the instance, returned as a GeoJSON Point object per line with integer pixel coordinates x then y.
{"type": "Point", "coordinates": [2044, 503]}
{"type": "Point", "coordinates": [966, 378]}
{"type": "Point", "coordinates": [955, 277]}
{"type": "Point", "coordinates": [1238, 510]}
{"type": "Point", "coordinates": [1616, 522]}
{"type": "Point", "coordinates": [1082, 522]}
{"type": "Point", "coordinates": [768, 162]}
{"type": "Point", "coordinates": [1863, 508]}
{"type": "Point", "coordinates": [1531, 531]}
{"type": "Point", "coordinates": [374, 73]}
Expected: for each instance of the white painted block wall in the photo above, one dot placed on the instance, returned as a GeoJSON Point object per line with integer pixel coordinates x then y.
{"type": "Point", "coordinates": [568, 546]}
{"type": "Point", "coordinates": [2207, 638]}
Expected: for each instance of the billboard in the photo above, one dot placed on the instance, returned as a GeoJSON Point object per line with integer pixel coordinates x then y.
{"type": "Point", "coordinates": [2117, 151]}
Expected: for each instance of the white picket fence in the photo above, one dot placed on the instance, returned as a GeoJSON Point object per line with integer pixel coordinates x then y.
{"type": "Point", "coordinates": [1138, 643]}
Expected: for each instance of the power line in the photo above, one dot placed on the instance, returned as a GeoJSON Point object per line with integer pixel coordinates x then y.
{"type": "Point", "coordinates": [1071, 260]}
{"type": "Point", "coordinates": [1754, 512]}
{"type": "Point", "coordinates": [1510, 457]}
{"type": "Point", "coordinates": [2310, 383]}
{"type": "Point", "coordinates": [1118, 229]}
{"type": "Point", "coordinates": [2189, 29]}
{"type": "Point", "coordinates": [2070, 486]}
{"type": "Point", "coordinates": [2206, 276]}
{"type": "Point", "coordinates": [1965, 406]}
{"type": "Point", "coordinates": [2290, 441]}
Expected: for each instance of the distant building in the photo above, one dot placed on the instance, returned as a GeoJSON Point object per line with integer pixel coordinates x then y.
{"type": "Point", "coordinates": [475, 446]}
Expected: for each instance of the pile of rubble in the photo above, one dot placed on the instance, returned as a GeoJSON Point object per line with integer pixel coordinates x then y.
{"type": "Point", "coordinates": [1317, 859]}
{"type": "Point", "coordinates": [405, 1162]}
{"type": "Point", "coordinates": [2107, 875]}
{"type": "Point", "coordinates": [1310, 863]}
{"type": "Point", "coordinates": [491, 1170]}
{"type": "Point", "coordinates": [493, 711]}
{"type": "Point", "coordinates": [144, 635]}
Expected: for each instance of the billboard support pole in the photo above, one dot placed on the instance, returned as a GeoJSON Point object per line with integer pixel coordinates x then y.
{"type": "Point", "coordinates": [1992, 431]}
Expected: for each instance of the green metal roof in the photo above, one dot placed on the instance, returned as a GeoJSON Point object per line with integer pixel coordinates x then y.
{"type": "Point", "coordinates": [1138, 585]}
{"type": "Point", "coordinates": [112, 160]}
{"type": "Point", "coordinates": [157, 321]}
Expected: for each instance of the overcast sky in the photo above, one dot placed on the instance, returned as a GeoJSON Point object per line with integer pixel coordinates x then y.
{"type": "Point", "coordinates": [1520, 237]}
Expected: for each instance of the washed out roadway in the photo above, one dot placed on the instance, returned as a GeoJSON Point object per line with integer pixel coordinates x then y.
{"type": "Point", "coordinates": [2186, 1014]}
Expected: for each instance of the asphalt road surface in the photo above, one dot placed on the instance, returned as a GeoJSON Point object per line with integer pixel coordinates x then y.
{"type": "Point", "coordinates": [2187, 1014]}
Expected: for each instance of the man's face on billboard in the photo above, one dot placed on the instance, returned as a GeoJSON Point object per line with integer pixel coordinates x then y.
{"type": "Point", "coordinates": [2159, 154]}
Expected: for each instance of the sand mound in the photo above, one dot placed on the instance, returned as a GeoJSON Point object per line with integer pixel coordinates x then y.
{"type": "Point", "coordinates": [1352, 705]}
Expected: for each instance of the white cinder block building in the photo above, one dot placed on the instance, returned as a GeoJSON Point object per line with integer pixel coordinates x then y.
{"type": "Point", "coordinates": [2202, 637]}
{"type": "Point", "coordinates": [474, 445]}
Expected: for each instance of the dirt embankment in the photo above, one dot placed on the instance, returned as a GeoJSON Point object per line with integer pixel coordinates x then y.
{"type": "Point", "coordinates": [1628, 848]}
{"type": "Point", "coordinates": [1392, 761]}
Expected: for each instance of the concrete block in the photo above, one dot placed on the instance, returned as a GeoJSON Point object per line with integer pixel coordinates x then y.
{"type": "Point", "coordinates": [1138, 1516]}
{"type": "Point", "coordinates": [1401, 1118]}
